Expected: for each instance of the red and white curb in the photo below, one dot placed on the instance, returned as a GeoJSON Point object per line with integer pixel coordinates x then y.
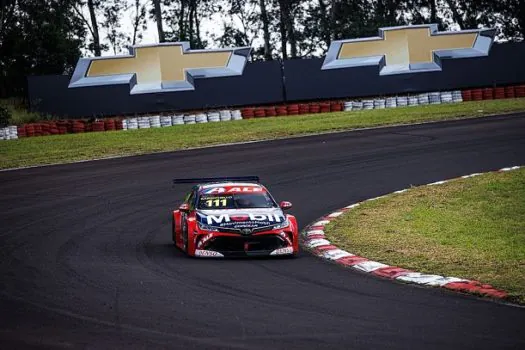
{"type": "Point", "coordinates": [315, 241]}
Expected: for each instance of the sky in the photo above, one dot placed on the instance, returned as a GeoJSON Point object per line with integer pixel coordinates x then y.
{"type": "Point", "coordinates": [150, 35]}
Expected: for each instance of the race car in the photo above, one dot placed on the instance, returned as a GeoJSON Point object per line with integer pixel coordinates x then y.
{"type": "Point", "coordinates": [233, 217]}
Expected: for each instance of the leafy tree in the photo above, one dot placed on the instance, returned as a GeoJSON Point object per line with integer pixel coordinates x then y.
{"type": "Point", "coordinates": [36, 40]}
{"type": "Point", "coordinates": [111, 23]}
{"type": "Point", "coordinates": [511, 18]}
{"type": "Point", "coordinates": [158, 19]}
{"type": "Point", "coordinates": [93, 6]}
{"type": "Point", "coordinates": [138, 20]}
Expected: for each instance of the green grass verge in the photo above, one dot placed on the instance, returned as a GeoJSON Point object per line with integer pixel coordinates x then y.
{"type": "Point", "coordinates": [66, 148]}
{"type": "Point", "coordinates": [470, 228]}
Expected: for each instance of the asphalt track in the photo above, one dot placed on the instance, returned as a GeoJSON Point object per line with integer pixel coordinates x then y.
{"type": "Point", "coordinates": [87, 259]}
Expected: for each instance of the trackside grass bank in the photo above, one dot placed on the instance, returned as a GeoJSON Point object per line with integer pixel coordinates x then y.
{"type": "Point", "coordinates": [470, 228]}
{"type": "Point", "coordinates": [67, 148]}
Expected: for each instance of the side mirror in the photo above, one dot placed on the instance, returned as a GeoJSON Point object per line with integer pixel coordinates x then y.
{"type": "Point", "coordinates": [285, 205]}
{"type": "Point", "coordinates": [184, 207]}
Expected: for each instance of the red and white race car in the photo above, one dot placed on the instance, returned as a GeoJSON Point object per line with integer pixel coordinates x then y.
{"type": "Point", "coordinates": [233, 217]}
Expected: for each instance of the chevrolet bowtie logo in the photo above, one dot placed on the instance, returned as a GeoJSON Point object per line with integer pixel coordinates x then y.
{"type": "Point", "coordinates": [408, 49]}
{"type": "Point", "coordinates": [160, 68]}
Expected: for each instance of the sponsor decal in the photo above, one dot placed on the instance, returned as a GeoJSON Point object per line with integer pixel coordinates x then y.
{"type": "Point", "coordinates": [160, 68]}
{"type": "Point", "coordinates": [282, 251]}
{"type": "Point", "coordinates": [225, 218]}
{"type": "Point", "coordinates": [409, 49]}
{"type": "Point", "coordinates": [208, 254]}
{"type": "Point", "coordinates": [231, 189]}
{"type": "Point", "coordinates": [216, 202]}
{"type": "Point", "coordinates": [285, 237]}
{"type": "Point", "coordinates": [204, 240]}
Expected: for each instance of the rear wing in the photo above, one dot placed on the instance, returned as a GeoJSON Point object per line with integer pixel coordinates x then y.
{"type": "Point", "coordinates": [198, 180]}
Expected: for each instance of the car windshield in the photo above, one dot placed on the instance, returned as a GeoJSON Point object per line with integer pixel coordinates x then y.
{"type": "Point", "coordinates": [236, 201]}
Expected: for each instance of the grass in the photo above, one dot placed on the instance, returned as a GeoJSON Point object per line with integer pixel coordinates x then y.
{"type": "Point", "coordinates": [66, 148]}
{"type": "Point", "coordinates": [471, 228]}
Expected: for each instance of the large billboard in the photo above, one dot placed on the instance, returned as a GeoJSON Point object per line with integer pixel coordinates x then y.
{"type": "Point", "coordinates": [172, 77]}
{"type": "Point", "coordinates": [159, 68]}
{"type": "Point", "coordinates": [409, 49]}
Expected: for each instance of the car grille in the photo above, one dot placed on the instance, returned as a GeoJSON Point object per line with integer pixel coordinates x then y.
{"type": "Point", "coordinates": [246, 244]}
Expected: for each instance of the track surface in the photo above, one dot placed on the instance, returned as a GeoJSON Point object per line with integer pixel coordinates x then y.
{"type": "Point", "coordinates": [87, 259]}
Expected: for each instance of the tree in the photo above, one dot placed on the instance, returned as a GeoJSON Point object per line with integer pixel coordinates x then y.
{"type": "Point", "coordinates": [266, 30]}
{"type": "Point", "coordinates": [111, 23]}
{"type": "Point", "coordinates": [91, 24]}
{"type": "Point", "coordinates": [158, 19]}
{"type": "Point", "coordinates": [512, 18]}
{"type": "Point", "coordinates": [36, 40]}
{"type": "Point", "coordinates": [94, 27]}
{"type": "Point", "coordinates": [138, 20]}
{"type": "Point", "coordinates": [287, 27]}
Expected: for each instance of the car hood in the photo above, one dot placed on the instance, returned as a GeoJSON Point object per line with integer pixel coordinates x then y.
{"type": "Point", "coordinates": [239, 219]}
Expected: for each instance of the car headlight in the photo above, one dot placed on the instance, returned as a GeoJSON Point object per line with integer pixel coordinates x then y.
{"type": "Point", "coordinates": [283, 224]}
{"type": "Point", "coordinates": [206, 227]}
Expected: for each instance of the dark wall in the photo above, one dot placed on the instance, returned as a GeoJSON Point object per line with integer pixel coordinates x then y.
{"type": "Point", "coordinates": [262, 83]}
{"type": "Point", "coordinates": [304, 79]}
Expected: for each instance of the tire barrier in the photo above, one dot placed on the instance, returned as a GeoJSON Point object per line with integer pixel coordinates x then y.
{"type": "Point", "coordinates": [177, 120]}
{"type": "Point", "coordinates": [314, 108]}
{"type": "Point", "coordinates": [281, 111]}
{"type": "Point", "coordinates": [391, 102]}
{"type": "Point", "coordinates": [336, 107]}
{"type": "Point", "coordinates": [446, 97]}
{"type": "Point", "coordinates": [213, 117]}
{"type": "Point", "coordinates": [133, 123]}
{"type": "Point", "coordinates": [203, 118]}
{"type": "Point", "coordinates": [304, 108]}
{"type": "Point", "coordinates": [402, 101]}
{"type": "Point", "coordinates": [423, 99]}
{"type": "Point", "coordinates": [165, 121]}
{"type": "Point", "coordinates": [324, 107]}
{"type": "Point", "coordinates": [248, 113]}
{"type": "Point", "coordinates": [61, 127]}
{"type": "Point", "coordinates": [510, 92]}
{"type": "Point", "coordinates": [379, 104]}
{"type": "Point", "coordinates": [236, 115]}
{"type": "Point", "coordinates": [190, 119]}
{"type": "Point", "coordinates": [434, 98]}
{"type": "Point", "coordinates": [9, 133]}
{"type": "Point", "coordinates": [466, 95]}
{"type": "Point", "coordinates": [413, 101]}
{"type": "Point", "coordinates": [477, 94]}
{"type": "Point", "coordinates": [270, 112]}
{"type": "Point", "coordinates": [357, 105]}
{"type": "Point", "coordinates": [259, 113]}
{"type": "Point", "coordinates": [144, 123]}
{"type": "Point", "coordinates": [368, 104]}
{"type": "Point", "coordinates": [154, 121]}
{"type": "Point", "coordinates": [499, 93]}
{"type": "Point", "coordinates": [293, 109]}
{"type": "Point", "coordinates": [488, 94]}
{"type": "Point", "coordinates": [520, 91]}
{"type": "Point", "coordinates": [225, 116]}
